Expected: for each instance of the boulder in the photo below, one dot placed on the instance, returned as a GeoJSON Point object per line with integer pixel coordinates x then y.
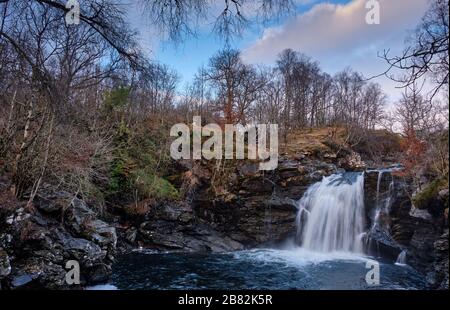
{"type": "Point", "coordinates": [49, 201]}
{"type": "Point", "coordinates": [77, 215]}
{"type": "Point", "coordinates": [83, 221]}
{"type": "Point", "coordinates": [174, 227]}
{"type": "Point", "coordinates": [379, 243]}
{"type": "Point", "coordinates": [101, 233]}
{"type": "Point", "coordinates": [84, 251]}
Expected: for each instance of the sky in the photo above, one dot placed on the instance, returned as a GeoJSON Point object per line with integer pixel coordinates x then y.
{"type": "Point", "coordinates": [332, 32]}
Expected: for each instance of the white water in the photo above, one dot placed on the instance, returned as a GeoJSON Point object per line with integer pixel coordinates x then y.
{"type": "Point", "coordinates": [382, 207]}
{"type": "Point", "coordinates": [102, 287]}
{"type": "Point", "coordinates": [401, 259]}
{"type": "Point", "coordinates": [331, 214]}
{"type": "Point", "coordinates": [296, 256]}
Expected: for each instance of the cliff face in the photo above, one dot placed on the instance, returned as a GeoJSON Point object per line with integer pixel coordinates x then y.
{"type": "Point", "coordinates": [422, 233]}
{"type": "Point", "coordinates": [260, 208]}
{"type": "Point", "coordinates": [425, 237]}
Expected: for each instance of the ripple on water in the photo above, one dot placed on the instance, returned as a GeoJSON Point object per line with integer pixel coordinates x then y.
{"type": "Point", "coordinates": [256, 269]}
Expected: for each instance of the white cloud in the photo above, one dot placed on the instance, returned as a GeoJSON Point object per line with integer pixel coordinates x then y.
{"type": "Point", "coordinates": [337, 36]}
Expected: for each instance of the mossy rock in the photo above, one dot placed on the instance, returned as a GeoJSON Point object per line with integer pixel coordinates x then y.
{"type": "Point", "coordinates": [429, 197]}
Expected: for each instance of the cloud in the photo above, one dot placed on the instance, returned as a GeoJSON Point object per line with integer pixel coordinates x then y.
{"type": "Point", "coordinates": [336, 27]}
{"type": "Point", "coordinates": [338, 36]}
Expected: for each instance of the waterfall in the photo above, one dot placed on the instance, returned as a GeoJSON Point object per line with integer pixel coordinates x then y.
{"type": "Point", "coordinates": [331, 214]}
{"type": "Point", "coordinates": [401, 259]}
{"type": "Point", "coordinates": [382, 207]}
{"type": "Point", "coordinates": [378, 236]}
{"type": "Point", "coordinates": [376, 219]}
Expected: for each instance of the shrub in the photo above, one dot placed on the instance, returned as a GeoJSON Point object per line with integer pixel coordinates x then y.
{"type": "Point", "coordinates": [139, 159]}
{"type": "Point", "coordinates": [116, 98]}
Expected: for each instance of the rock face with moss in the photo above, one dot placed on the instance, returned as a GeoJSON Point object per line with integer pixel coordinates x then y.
{"type": "Point", "coordinates": [433, 197]}
{"type": "Point", "coordinates": [421, 232]}
{"type": "Point", "coordinates": [429, 242]}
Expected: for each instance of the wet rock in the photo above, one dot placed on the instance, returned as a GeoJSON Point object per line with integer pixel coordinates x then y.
{"type": "Point", "coordinates": [318, 175]}
{"type": "Point", "coordinates": [175, 227]}
{"type": "Point", "coordinates": [441, 263]}
{"type": "Point", "coordinates": [421, 246]}
{"type": "Point", "coordinates": [373, 181]}
{"type": "Point", "coordinates": [167, 235]}
{"type": "Point", "coordinates": [380, 244]}
{"type": "Point", "coordinates": [5, 266]}
{"type": "Point", "coordinates": [98, 274]}
{"type": "Point", "coordinates": [282, 203]}
{"type": "Point", "coordinates": [251, 221]}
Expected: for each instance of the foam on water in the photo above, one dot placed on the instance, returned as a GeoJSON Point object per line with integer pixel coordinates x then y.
{"type": "Point", "coordinates": [102, 287]}
{"type": "Point", "coordinates": [295, 256]}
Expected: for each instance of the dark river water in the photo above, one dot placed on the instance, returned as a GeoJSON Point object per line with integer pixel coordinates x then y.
{"type": "Point", "coordinates": [256, 269]}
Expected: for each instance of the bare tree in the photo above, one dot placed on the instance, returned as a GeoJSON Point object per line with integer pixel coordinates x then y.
{"type": "Point", "coordinates": [235, 83]}
{"type": "Point", "coordinates": [415, 114]}
{"type": "Point", "coordinates": [427, 53]}
{"type": "Point", "coordinates": [178, 18]}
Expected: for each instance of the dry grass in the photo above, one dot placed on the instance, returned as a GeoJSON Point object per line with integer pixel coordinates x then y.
{"type": "Point", "coordinates": [311, 141]}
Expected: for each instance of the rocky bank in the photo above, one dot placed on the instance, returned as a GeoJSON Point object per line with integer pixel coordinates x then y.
{"type": "Point", "coordinates": [245, 208]}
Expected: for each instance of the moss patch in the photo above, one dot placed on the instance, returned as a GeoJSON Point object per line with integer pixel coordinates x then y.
{"type": "Point", "coordinates": [429, 195]}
